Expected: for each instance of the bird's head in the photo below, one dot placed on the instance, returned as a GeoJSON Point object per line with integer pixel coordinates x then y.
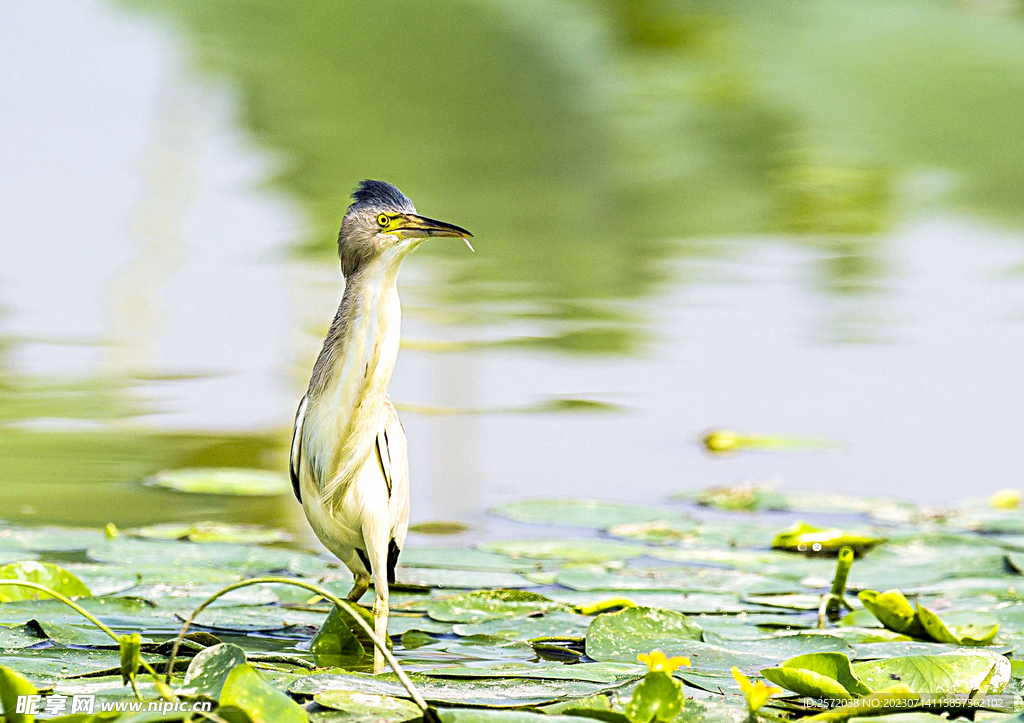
{"type": "Point", "coordinates": [382, 224]}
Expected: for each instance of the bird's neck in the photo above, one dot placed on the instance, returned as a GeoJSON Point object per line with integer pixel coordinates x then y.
{"type": "Point", "coordinates": [362, 343]}
{"type": "Point", "coordinates": [351, 376]}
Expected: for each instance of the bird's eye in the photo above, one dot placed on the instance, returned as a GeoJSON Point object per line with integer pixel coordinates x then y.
{"type": "Point", "coordinates": [382, 220]}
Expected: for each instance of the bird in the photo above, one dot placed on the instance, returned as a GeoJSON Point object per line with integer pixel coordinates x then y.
{"type": "Point", "coordinates": [348, 465]}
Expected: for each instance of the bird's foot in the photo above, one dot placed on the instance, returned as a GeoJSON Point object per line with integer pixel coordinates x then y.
{"type": "Point", "coordinates": [359, 587]}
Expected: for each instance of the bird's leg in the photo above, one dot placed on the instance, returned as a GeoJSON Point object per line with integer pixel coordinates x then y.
{"type": "Point", "coordinates": [359, 586]}
{"type": "Point", "coordinates": [380, 623]}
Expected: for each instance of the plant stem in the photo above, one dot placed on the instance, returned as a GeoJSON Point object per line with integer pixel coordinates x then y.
{"type": "Point", "coordinates": [67, 601]}
{"type": "Point", "coordinates": [88, 616]}
{"type": "Point", "coordinates": [347, 607]}
{"type": "Point", "coordinates": [843, 564]}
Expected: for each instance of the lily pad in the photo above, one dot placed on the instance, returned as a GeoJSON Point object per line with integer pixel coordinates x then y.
{"type": "Point", "coordinates": [117, 612]}
{"type": "Point", "coordinates": [802, 537]}
{"type": "Point", "coordinates": [789, 600]}
{"type": "Point", "coordinates": [335, 644]}
{"type": "Point", "coordinates": [659, 532]}
{"type": "Point", "coordinates": [698, 579]}
{"type": "Point", "coordinates": [251, 619]}
{"type": "Point", "coordinates": [576, 550]}
{"type": "Point", "coordinates": [157, 553]}
{"type": "Point", "coordinates": [12, 687]}
{"type": "Point", "coordinates": [223, 481]}
{"type": "Point", "coordinates": [455, 558]}
{"type": "Point", "coordinates": [683, 602]}
{"type": "Point", "coordinates": [458, 579]}
{"type": "Point", "coordinates": [209, 670]}
{"type": "Point", "coordinates": [439, 527]}
{"type": "Point", "coordinates": [938, 676]}
{"type": "Point", "coordinates": [85, 634]}
{"type": "Point", "coordinates": [246, 689]}
{"type": "Point", "coordinates": [746, 498]}
{"type": "Point", "coordinates": [819, 675]}
{"type": "Point", "coordinates": [490, 692]}
{"type": "Point", "coordinates": [894, 611]}
{"type": "Point", "coordinates": [49, 539]}
{"type": "Point", "coordinates": [556, 624]}
{"type": "Point", "coordinates": [973, 628]}
{"type": "Point", "coordinates": [483, 605]}
{"type": "Point", "coordinates": [625, 634]}
{"type": "Point", "coordinates": [44, 573]}
{"type": "Point", "coordinates": [596, 514]}
{"type": "Point", "coordinates": [587, 672]}
{"type": "Point", "coordinates": [19, 636]}
{"type": "Point", "coordinates": [212, 532]}
{"type": "Point", "coordinates": [928, 676]}
{"type": "Point", "coordinates": [367, 707]}
{"type": "Point", "coordinates": [45, 665]}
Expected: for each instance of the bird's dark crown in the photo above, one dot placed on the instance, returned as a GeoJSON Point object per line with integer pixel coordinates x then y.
{"type": "Point", "coordinates": [380, 195]}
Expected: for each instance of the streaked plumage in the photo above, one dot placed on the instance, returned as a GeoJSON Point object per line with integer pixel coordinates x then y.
{"type": "Point", "coordinates": [349, 465]}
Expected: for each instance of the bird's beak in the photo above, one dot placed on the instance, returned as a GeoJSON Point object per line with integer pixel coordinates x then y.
{"type": "Point", "coordinates": [409, 225]}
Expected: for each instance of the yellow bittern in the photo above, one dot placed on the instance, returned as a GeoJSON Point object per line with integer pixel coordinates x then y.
{"type": "Point", "coordinates": [348, 465]}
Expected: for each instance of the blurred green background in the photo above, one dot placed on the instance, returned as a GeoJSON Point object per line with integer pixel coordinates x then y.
{"type": "Point", "coordinates": [783, 217]}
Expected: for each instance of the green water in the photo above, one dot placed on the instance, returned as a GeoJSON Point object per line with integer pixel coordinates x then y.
{"type": "Point", "coordinates": [779, 217]}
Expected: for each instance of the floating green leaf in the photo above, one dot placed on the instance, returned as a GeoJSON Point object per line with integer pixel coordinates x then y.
{"type": "Point", "coordinates": [658, 697]}
{"type": "Point", "coordinates": [586, 672]}
{"type": "Point", "coordinates": [596, 514]}
{"type": "Point", "coordinates": [49, 539]}
{"type": "Point", "coordinates": [938, 676]}
{"type": "Point", "coordinates": [209, 670]}
{"type": "Point", "coordinates": [802, 537]}
{"type": "Point", "coordinates": [439, 527]}
{"type": "Point", "coordinates": [12, 686]}
{"type": "Point", "coordinates": [367, 707]}
{"type": "Point", "coordinates": [557, 623]}
{"type": "Point", "coordinates": [212, 532]}
{"type": "Point", "coordinates": [493, 692]}
{"type": "Point", "coordinates": [976, 628]}
{"type": "Point", "coordinates": [748, 498]}
{"type": "Point", "coordinates": [894, 611]}
{"type": "Point", "coordinates": [819, 675]}
{"type": "Point", "coordinates": [456, 558]}
{"type": "Point", "coordinates": [660, 532]}
{"type": "Point", "coordinates": [484, 605]}
{"type": "Point", "coordinates": [625, 634]}
{"type": "Point", "coordinates": [45, 573]}
{"type": "Point", "coordinates": [131, 653]}
{"type": "Point", "coordinates": [336, 644]}
{"type": "Point", "coordinates": [246, 689]}
{"type": "Point", "coordinates": [576, 550]}
{"type": "Point", "coordinates": [942, 676]}
{"type": "Point", "coordinates": [683, 602]}
{"type": "Point", "coordinates": [699, 579]}
{"type": "Point", "coordinates": [223, 481]}
{"type": "Point", "coordinates": [458, 579]}
{"type": "Point", "coordinates": [19, 636]}
{"type": "Point", "coordinates": [253, 619]}
{"type": "Point", "coordinates": [168, 553]}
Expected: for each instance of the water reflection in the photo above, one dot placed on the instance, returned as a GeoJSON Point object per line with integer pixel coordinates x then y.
{"type": "Point", "coordinates": [691, 204]}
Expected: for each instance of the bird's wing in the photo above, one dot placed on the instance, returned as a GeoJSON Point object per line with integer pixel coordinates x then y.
{"type": "Point", "coordinates": [295, 460]}
{"type": "Point", "coordinates": [392, 451]}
